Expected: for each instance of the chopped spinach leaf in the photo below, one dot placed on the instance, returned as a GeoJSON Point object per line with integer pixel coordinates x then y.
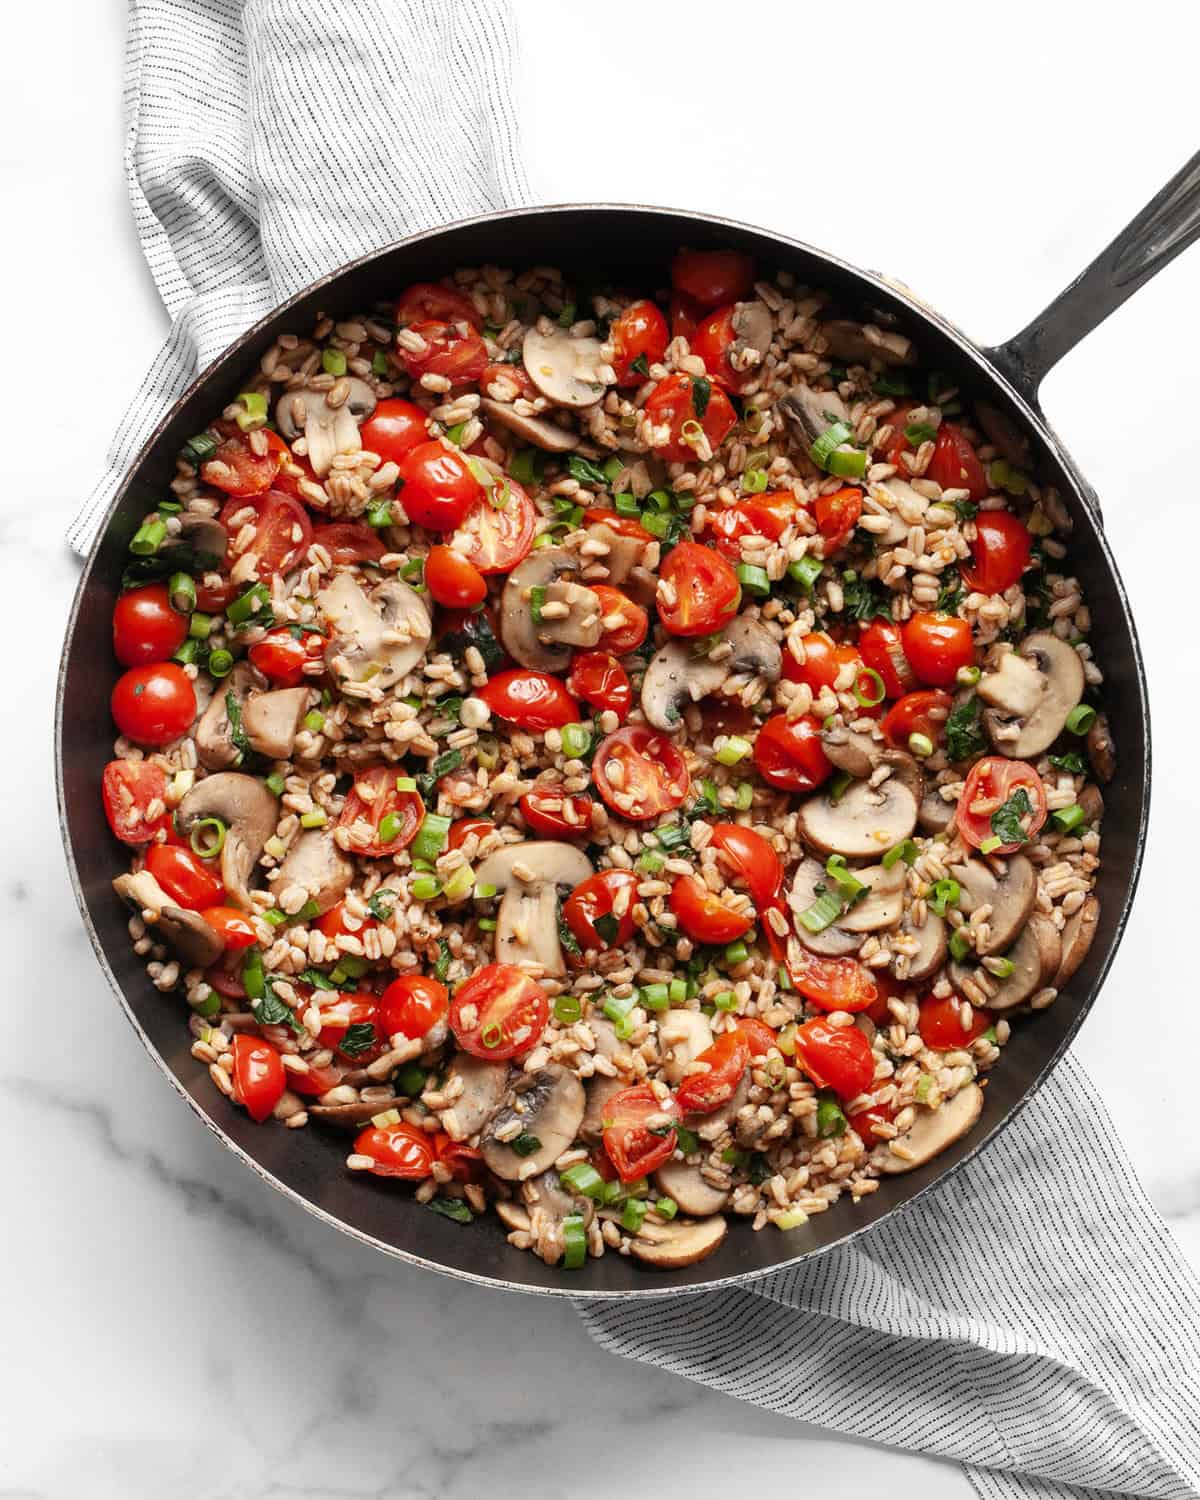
{"type": "Point", "coordinates": [951, 594]}
{"type": "Point", "coordinates": [639, 365]}
{"type": "Point", "coordinates": [451, 1208]}
{"type": "Point", "coordinates": [964, 732]}
{"type": "Point", "coordinates": [442, 967]}
{"type": "Point", "coordinates": [380, 909]}
{"type": "Point", "coordinates": [586, 471]}
{"type": "Point", "coordinates": [565, 936]}
{"type": "Point", "coordinates": [233, 712]}
{"type": "Point", "coordinates": [1072, 761]}
{"type": "Point", "coordinates": [966, 510]}
{"type": "Point", "coordinates": [607, 928]}
{"type": "Point", "coordinates": [359, 1038]}
{"type": "Point", "coordinates": [701, 395]}
{"type": "Point", "coordinates": [1006, 820]}
{"type": "Point", "coordinates": [864, 599]}
{"type": "Point", "coordinates": [477, 632]}
{"type": "Point", "coordinates": [526, 1144]}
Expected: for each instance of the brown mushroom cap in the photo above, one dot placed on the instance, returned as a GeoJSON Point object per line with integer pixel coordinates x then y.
{"type": "Point", "coordinates": [1003, 433]}
{"type": "Point", "coordinates": [1029, 713]}
{"type": "Point", "coordinates": [851, 751]}
{"type": "Point", "coordinates": [196, 943]}
{"type": "Point", "coordinates": [272, 719]}
{"type": "Point", "coordinates": [539, 431]}
{"type": "Point", "coordinates": [549, 1203]}
{"type": "Point", "coordinates": [933, 1131]}
{"type": "Point", "coordinates": [931, 952]}
{"type": "Point", "coordinates": [678, 675]}
{"type": "Point", "coordinates": [1035, 959]}
{"type": "Point", "coordinates": [935, 814]}
{"type": "Point", "coordinates": [682, 1242]}
{"type": "Point", "coordinates": [348, 1116]}
{"type": "Point", "coordinates": [250, 814]}
{"type": "Point", "coordinates": [808, 413]}
{"type": "Point", "coordinates": [1077, 938]}
{"type": "Point", "coordinates": [317, 864]}
{"type": "Point", "coordinates": [565, 370]}
{"type": "Point", "coordinates": [327, 430]}
{"type": "Point", "coordinates": [200, 534]}
{"type": "Point", "coordinates": [694, 1196]}
{"type": "Point", "coordinates": [545, 645]}
{"type": "Point", "coordinates": [547, 1105]}
{"type": "Point", "coordinates": [599, 1089]}
{"type": "Point", "coordinates": [865, 821]}
{"type": "Point", "coordinates": [833, 941]}
{"type": "Point", "coordinates": [1011, 894]}
{"type": "Point", "coordinates": [1102, 753]}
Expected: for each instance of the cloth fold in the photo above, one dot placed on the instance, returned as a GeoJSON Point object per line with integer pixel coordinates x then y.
{"type": "Point", "coordinates": [1032, 1317]}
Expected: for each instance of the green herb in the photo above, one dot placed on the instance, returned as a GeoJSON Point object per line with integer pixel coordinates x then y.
{"type": "Point", "coordinates": [607, 927]}
{"type": "Point", "coordinates": [687, 1140]}
{"type": "Point", "coordinates": [380, 909]}
{"type": "Point", "coordinates": [442, 967]}
{"type": "Point", "coordinates": [565, 936]}
{"type": "Point", "coordinates": [701, 395]}
{"type": "Point", "coordinates": [966, 510]}
{"type": "Point", "coordinates": [451, 1208]}
{"type": "Point", "coordinates": [944, 893]}
{"type": "Point", "coordinates": [639, 366]}
{"type": "Point", "coordinates": [253, 607]}
{"type": "Point", "coordinates": [317, 980]}
{"type": "Point", "coordinates": [199, 449]}
{"type": "Point", "coordinates": [917, 433]}
{"type": "Point", "coordinates": [1072, 761]}
{"type": "Point", "coordinates": [567, 316]}
{"type": "Point", "coordinates": [233, 712]}
{"type": "Point", "coordinates": [525, 1144]}
{"type": "Point", "coordinates": [537, 597]}
{"type": "Point", "coordinates": [892, 383]}
{"type": "Point", "coordinates": [270, 1010]}
{"type": "Point", "coordinates": [475, 631]}
{"type": "Point", "coordinates": [830, 1119]}
{"type": "Point", "coordinates": [358, 1039]}
{"type": "Point", "coordinates": [1006, 820]}
{"type": "Point", "coordinates": [585, 471]}
{"type": "Point", "coordinates": [905, 850]}
{"type": "Point", "coordinates": [951, 594]}
{"type": "Point", "coordinates": [863, 598]}
{"type": "Point", "coordinates": [527, 466]}
{"type": "Point", "coordinates": [964, 733]}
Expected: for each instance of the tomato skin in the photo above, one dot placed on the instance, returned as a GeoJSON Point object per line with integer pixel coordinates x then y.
{"type": "Point", "coordinates": [599, 679]}
{"type": "Point", "coordinates": [594, 898]}
{"type": "Point", "coordinates": [672, 404]}
{"type": "Point", "coordinates": [835, 1057]}
{"type": "Point", "coordinates": [631, 1146]}
{"type": "Point", "coordinates": [683, 314]}
{"type": "Point", "coordinates": [234, 927]}
{"type": "Point", "coordinates": [412, 1006]}
{"type": "Point", "coordinates": [941, 1027]}
{"type": "Point", "coordinates": [145, 627]}
{"type": "Point", "coordinates": [316, 1081]}
{"type": "Point", "coordinates": [497, 539]}
{"type": "Point", "coordinates": [396, 1151]}
{"type": "Point", "coordinates": [531, 700]}
{"type": "Point", "coordinates": [550, 822]}
{"type": "Point", "coordinates": [923, 712]}
{"type": "Point", "coordinates": [282, 529]}
{"type": "Point", "coordinates": [280, 657]}
{"type": "Point", "coordinates": [999, 554]}
{"type": "Point", "coordinates": [393, 429]}
{"type": "Point", "coordinates": [834, 983]}
{"type": "Point", "coordinates": [640, 330]}
{"type": "Point", "coordinates": [238, 470]}
{"type": "Point", "coordinates": [837, 516]}
{"type": "Point", "coordinates": [955, 464]}
{"type": "Point", "coordinates": [185, 877]}
{"type": "Point", "coordinates": [615, 521]}
{"type": "Point", "coordinates": [937, 646]}
{"type": "Point", "coordinates": [711, 277]}
{"type": "Point", "coordinates": [373, 797]}
{"type": "Point", "coordinates": [728, 1058]}
{"type": "Point", "coordinates": [462, 830]}
{"type": "Point", "coordinates": [712, 342]}
{"type": "Point", "coordinates": [865, 1121]}
{"type": "Point", "coordinates": [128, 788]}
{"type": "Point", "coordinates": [898, 444]}
{"type": "Point", "coordinates": [764, 515]}
{"type": "Point", "coordinates": [258, 1076]}
{"type": "Point", "coordinates": [350, 541]}
{"type": "Point", "coordinates": [334, 924]}
{"type": "Point", "coordinates": [153, 705]}
{"type": "Point", "coordinates": [426, 300]}
{"type": "Point", "coordinates": [749, 856]}
{"type": "Point", "coordinates": [498, 1013]}
{"type": "Point", "coordinates": [991, 782]}
{"type": "Point", "coordinates": [706, 591]}
{"type": "Point", "coordinates": [439, 488]}
{"type": "Point", "coordinates": [635, 622]}
{"type": "Point", "coordinates": [461, 360]}
{"type": "Point", "coordinates": [788, 754]}
{"type": "Point", "coordinates": [759, 1036]}
{"type": "Point", "coordinates": [452, 580]}
{"type": "Point", "coordinates": [515, 377]}
{"type": "Point", "coordinates": [703, 915]}
{"type": "Point", "coordinates": [881, 647]}
{"type": "Point", "coordinates": [653, 773]}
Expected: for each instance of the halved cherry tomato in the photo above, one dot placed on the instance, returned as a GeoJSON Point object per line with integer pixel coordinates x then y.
{"type": "Point", "coordinates": [762, 515]}
{"type": "Point", "coordinates": [824, 662]}
{"type": "Point", "coordinates": [338, 922]}
{"type": "Point", "coordinates": [225, 976]}
{"type": "Point", "coordinates": [747, 856]}
{"type": "Point", "coordinates": [531, 700]}
{"type": "Point", "coordinates": [865, 1121]}
{"type": "Point", "coordinates": [512, 379]}
{"type": "Point", "coordinates": [439, 488]}
{"type": "Point", "coordinates": [937, 646]}
{"type": "Point", "coordinates": [412, 1006]}
{"type": "Point", "coordinates": [675, 403]}
{"type": "Point", "coordinates": [923, 712]}
{"type": "Point", "coordinates": [898, 443]}
{"type": "Point", "coordinates": [238, 470]}
{"type": "Point", "coordinates": [342, 1012]}
{"type": "Point", "coordinates": [154, 705]}
{"type": "Point", "coordinates": [999, 554]}
{"type": "Point", "coordinates": [460, 359]}
{"type": "Point", "coordinates": [556, 815]}
{"type": "Point", "coordinates": [462, 830]}
{"type": "Point", "coordinates": [375, 799]}
{"type": "Point", "coordinates": [234, 927]}
{"type": "Point", "coordinates": [496, 538]}
{"type": "Point", "coordinates": [622, 525]}
{"type": "Point", "coordinates": [498, 1013]}
{"type": "Point", "coordinates": [282, 656]}
{"type": "Point", "coordinates": [627, 635]}
{"type": "Point", "coordinates": [640, 773]}
{"type": "Point", "coordinates": [599, 679]}
{"type": "Point", "coordinates": [727, 1059]}
{"type": "Point", "coordinates": [640, 333]}
{"type": "Point", "coordinates": [712, 342]}
{"type": "Point", "coordinates": [634, 1147]}
{"type": "Point", "coordinates": [835, 1057]}
{"type": "Point", "coordinates": [394, 428]}
{"type": "Point", "coordinates": [184, 876]}
{"type": "Point", "coordinates": [214, 591]}
{"type": "Point", "coordinates": [400, 1150]}
{"type": "Point", "coordinates": [592, 902]}
{"type": "Point", "coordinates": [350, 542]}
{"type": "Point", "coordinates": [426, 300]}
{"type": "Point", "coordinates": [293, 467]}
{"type": "Point", "coordinates": [145, 627]}
{"type": "Point", "coordinates": [955, 464]}
{"type": "Point", "coordinates": [882, 648]}
{"type": "Point", "coordinates": [713, 276]}
{"type": "Point", "coordinates": [465, 1162]}
{"type": "Point", "coordinates": [130, 788]}
{"type": "Point", "coordinates": [941, 1027]}
{"type": "Point", "coordinates": [702, 594]}
{"type": "Point", "coordinates": [282, 530]}
{"type": "Point", "coordinates": [837, 516]}
{"type": "Point", "coordinates": [833, 983]}
{"type": "Point", "coordinates": [759, 1036]}
{"type": "Point", "coordinates": [703, 915]}
{"type": "Point", "coordinates": [788, 753]}
{"type": "Point", "coordinates": [683, 314]}
{"type": "Point", "coordinates": [258, 1076]}
{"type": "Point", "coordinates": [991, 783]}
{"type": "Point", "coordinates": [318, 1080]}
{"type": "Point", "coordinates": [452, 580]}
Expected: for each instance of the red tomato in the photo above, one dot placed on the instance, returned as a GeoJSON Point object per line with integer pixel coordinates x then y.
{"type": "Point", "coordinates": [865, 1121]}
{"type": "Point", "coordinates": [759, 1036]}
{"type": "Point", "coordinates": [460, 359]}
{"type": "Point", "coordinates": [788, 754]}
{"type": "Point", "coordinates": [316, 1081]}
{"type": "Point", "coordinates": [498, 1013]}
{"type": "Point", "coordinates": [824, 662]}
{"type": "Point", "coordinates": [634, 1147]}
{"type": "Point", "coordinates": [514, 377]}
{"type": "Point", "coordinates": [293, 467]}
{"type": "Point", "coordinates": [154, 705]}
{"type": "Point", "coordinates": [955, 464]}
{"type": "Point", "coordinates": [713, 341]}
{"type": "Point", "coordinates": [393, 429]}
{"type": "Point", "coordinates": [282, 531]}
{"type": "Point", "coordinates": [258, 1076]}
{"type": "Point", "coordinates": [238, 470]}
{"type": "Point", "coordinates": [833, 983]}
{"type": "Point", "coordinates": [452, 580]}
{"type": "Point", "coordinates": [991, 783]}
{"type": "Point", "coordinates": [941, 1027]}
{"type": "Point", "coordinates": [185, 877]}
{"type": "Point", "coordinates": [639, 333]}
{"type": "Point", "coordinates": [439, 488]}
{"type": "Point", "coordinates": [835, 1057]}
{"type": "Point", "coordinates": [593, 900]}
{"type": "Point", "coordinates": [599, 679]}
{"type": "Point", "coordinates": [703, 593]}
{"type": "Point", "coordinates": [748, 856]}
{"type": "Point", "coordinates": [374, 798]}
{"type": "Point", "coordinates": [882, 649]}
{"type": "Point", "coordinates": [145, 627]}
{"type": "Point", "coordinates": [499, 536]}
{"type": "Point", "coordinates": [673, 404]}
{"type": "Point", "coordinates": [233, 926]}
{"type": "Point", "coordinates": [465, 1162]}
{"type": "Point", "coordinates": [400, 1150]}
{"type": "Point", "coordinates": [999, 553]}
{"type": "Point", "coordinates": [627, 635]}
{"type": "Point", "coordinates": [622, 525]}
{"type": "Point", "coordinates": [281, 656]}
{"type": "Point", "coordinates": [337, 922]}
{"type": "Point", "coordinates": [937, 646]}
{"type": "Point", "coordinates": [837, 516]}
{"type": "Point", "coordinates": [898, 444]}
{"type": "Point", "coordinates": [683, 314]}
{"type": "Point", "coordinates": [703, 915]}
{"type": "Point", "coordinates": [412, 1005]}
{"type": "Point", "coordinates": [339, 1012]}
{"type": "Point", "coordinates": [640, 773]}
{"type": "Point", "coordinates": [917, 713]}
{"type": "Point", "coordinates": [350, 541]}
{"type": "Point", "coordinates": [225, 976]}
{"type": "Point", "coordinates": [462, 830]}
{"type": "Point", "coordinates": [713, 276]}
{"type": "Point", "coordinates": [727, 1059]}
{"type": "Point", "coordinates": [556, 816]}
{"type": "Point", "coordinates": [426, 300]}
{"type": "Point", "coordinates": [531, 700]}
{"type": "Point", "coordinates": [763, 516]}
{"type": "Point", "coordinates": [129, 788]}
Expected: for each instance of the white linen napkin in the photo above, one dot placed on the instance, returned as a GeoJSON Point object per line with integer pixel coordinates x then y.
{"type": "Point", "coordinates": [1032, 1317]}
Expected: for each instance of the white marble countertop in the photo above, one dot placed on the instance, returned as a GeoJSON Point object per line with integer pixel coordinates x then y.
{"type": "Point", "coordinates": [170, 1325]}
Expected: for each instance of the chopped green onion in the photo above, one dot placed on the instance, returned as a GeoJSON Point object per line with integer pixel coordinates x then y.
{"type": "Point", "coordinates": [276, 917]}
{"type": "Point", "coordinates": [838, 783]}
{"type": "Point", "coordinates": [455, 433]}
{"type": "Point", "coordinates": [666, 1208]}
{"type": "Point", "coordinates": [487, 924]}
{"type": "Point", "coordinates": [848, 463]}
{"type": "Point", "coordinates": [833, 437]}
{"type": "Point", "coordinates": [969, 676]}
{"type": "Point", "coordinates": [734, 749]}
{"type": "Point", "coordinates": [806, 571]}
{"type": "Point", "coordinates": [317, 818]}
{"type": "Point", "coordinates": [484, 892]}
{"type": "Point", "coordinates": [390, 827]}
{"type": "Point", "coordinates": [380, 514]}
{"type": "Point", "coordinates": [892, 383]}
{"type": "Point", "coordinates": [414, 570]}
{"type": "Point", "coordinates": [633, 1215]}
{"type": "Point", "coordinates": [744, 797]}
{"type": "Point", "coordinates": [181, 591]}
{"type": "Point", "coordinates": [626, 504]}
{"type": "Point", "coordinates": [200, 626]}
{"type": "Point", "coordinates": [672, 836]}
{"type": "Point", "coordinates": [526, 466]}
{"type": "Point", "coordinates": [990, 1036]}
{"type": "Point", "coordinates": [688, 1141]}
{"type": "Point", "coordinates": [618, 1010]}
{"type": "Point", "coordinates": [379, 364]}
{"type": "Point", "coordinates": [942, 894]}
{"type": "Point", "coordinates": [823, 913]}
{"type": "Point", "coordinates": [920, 745]}
{"type": "Point", "coordinates": [1081, 718]}
{"type": "Point", "coordinates": [188, 652]}
{"type": "Point", "coordinates": [567, 1009]}
{"type": "Point", "coordinates": [448, 761]}
{"type": "Point", "coordinates": [208, 1007]}
{"type": "Point", "coordinates": [220, 663]}
{"type": "Point", "coordinates": [990, 845]}
{"type": "Point", "coordinates": [426, 888]}
{"type": "Point", "coordinates": [1069, 818]}
{"type": "Point", "coordinates": [567, 316]}
{"type": "Point", "coordinates": [612, 468]}
{"type": "Point", "coordinates": [754, 481]}
{"type": "Point", "coordinates": [650, 862]}
{"type": "Point", "coordinates": [960, 946]}
{"type": "Point", "coordinates": [830, 1119]}
{"type": "Point", "coordinates": [431, 837]}
{"type": "Point", "coordinates": [254, 413]}
{"type": "Point", "coordinates": [657, 525]}
{"type": "Point", "coordinates": [754, 579]}
{"type": "Point", "coordinates": [199, 449]}
{"type": "Point", "coordinates": [659, 500]}
{"type": "Point", "coordinates": [205, 845]}
{"type": "Point", "coordinates": [314, 720]}
{"type": "Point", "coordinates": [410, 1080]}
{"type": "Point", "coordinates": [406, 783]}
{"type": "Point", "coordinates": [736, 953]}
{"type": "Point", "coordinates": [849, 885]}
{"type": "Point", "coordinates": [333, 361]}
{"type": "Point", "coordinates": [917, 433]}
{"type": "Point", "coordinates": [1002, 968]}
{"type": "Point", "coordinates": [576, 741]}
{"type": "Point", "coordinates": [655, 996]}
{"type": "Point", "coordinates": [905, 850]}
{"type": "Point", "coordinates": [726, 1000]}
{"type": "Point", "coordinates": [574, 1239]}
{"type": "Point", "coordinates": [256, 600]}
{"type": "Point", "coordinates": [677, 991]}
{"type": "Point", "coordinates": [875, 681]}
{"type": "Point", "coordinates": [275, 784]}
{"type": "Point", "coordinates": [148, 538]}
{"type": "Point", "coordinates": [460, 884]}
{"type": "Point", "coordinates": [582, 1178]}
{"type": "Point", "coordinates": [254, 979]}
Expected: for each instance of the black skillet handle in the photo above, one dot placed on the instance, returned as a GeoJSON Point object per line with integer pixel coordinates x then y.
{"type": "Point", "coordinates": [1168, 224]}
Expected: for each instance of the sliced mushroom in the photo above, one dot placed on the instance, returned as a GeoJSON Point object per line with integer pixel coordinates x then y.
{"type": "Point", "coordinates": [931, 949]}
{"type": "Point", "coordinates": [216, 745]}
{"type": "Point", "coordinates": [348, 1116]}
{"type": "Point", "coordinates": [272, 719]}
{"type": "Point", "coordinates": [1029, 708]}
{"type": "Point", "coordinates": [847, 341]}
{"type": "Point", "coordinates": [1077, 938]}
{"type": "Point", "coordinates": [833, 941]}
{"type": "Point", "coordinates": [935, 814]}
{"type": "Point", "coordinates": [547, 1106]}
{"type": "Point", "coordinates": [202, 537]}
{"type": "Point", "coordinates": [883, 905]}
{"type": "Point", "coordinates": [250, 814]}
{"type": "Point", "coordinates": [933, 1130]}
{"type": "Point", "coordinates": [599, 1089]}
{"type": "Point", "coordinates": [484, 1085]}
{"type": "Point", "coordinates": [1007, 438]}
{"type": "Point", "coordinates": [624, 555]}
{"type": "Point", "coordinates": [513, 1215]}
{"type": "Point", "coordinates": [197, 944]}
{"type": "Point", "coordinates": [865, 821]}
{"type": "Point", "coordinates": [315, 863]}
{"type": "Point", "coordinates": [378, 638]}
{"type": "Point", "coordinates": [565, 370]}
{"type": "Point", "coordinates": [682, 1242]}
{"type": "Point", "coordinates": [539, 431]}
{"type": "Point", "coordinates": [1035, 958]}
{"type": "Point", "coordinates": [544, 645]}
{"type": "Point", "coordinates": [1102, 753]}
{"type": "Point", "coordinates": [710, 1126]}
{"type": "Point", "coordinates": [694, 1196]}
{"type": "Point", "coordinates": [682, 1036]}
{"type": "Point", "coordinates": [327, 430]}
{"type": "Point", "coordinates": [851, 751]}
{"type": "Point", "coordinates": [526, 877]}
{"type": "Point", "coordinates": [678, 676]}
{"type": "Point", "coordinates": [1012, 895]}
{"type": "Point", "coordinates": [753, 328]}
{"type": "Point", "coordinates": [1091, 799]}
{"type": "Point", "coordinates": [808, 413]}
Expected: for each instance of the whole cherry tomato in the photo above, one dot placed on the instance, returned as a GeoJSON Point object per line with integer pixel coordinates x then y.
{"type": "Point", "coordinates": [599, 679]}
{"type": "Point", "coordinates": [589, 910]}
{"type": "Point", "coordinates": [834, 983]}
{"type": "Point", "coordinates": [683, 314]}
{"type": "Point", "coordinates": [837, 516]}
{"type": "Point", "coordinates": [439, 487]}
{"type": "Point", "coordinates": [882, 649]}
{"type": "Point", "coordinates": [531, 700]}
{"type": "Point", "coordinates": [924, 712]}
{"type": "Point", "coordinates": [937, 646]}
{"type": "Point", "coordinates": [258, 1076]}
{"type": "Point", "coordinates": [640, 773]}
{"type": "Point", "coordinates": [499, 1013]}
{"type": "Point", "coordinates": [625, 624]}
{"type": "Point", "coordinates": [274, 526]}
{"type": "Point", "coordinates": [430, 300]}
{"type": "Point", "coordinates": [835, 1057]}
{"type": "Point", "coordinates": [400, 1150]}
{"type": "Point", "coordinates": [747, 856]}
{"type": "Point", "coordinates": [393, 429]}
{"type": "Point", "coordinates": [703, 915]}
{"type": "Point", "coordinates": [393, 816]}
{"type": "Point", "coordinates": [145, 627]}
{"type": "Point", "coordinates": [955, 464]}
{"type": "Point", "coordinates": [992, 782]}
{"type": "Point", "coordinates": [941, 1027]}
{"type": "Point", "coordinates": [711, 277]}
{"type": "Point", "coordinates": [452, 580]}
{"type": "Point", "coordinates": [233, 927]}
{"type": "Point", "coordinates": [131, 790]}
{"type": "Point", "coordinates": [154, 705]}
{"type": "Point", "coordinates": [282, 656]}
{"type": "Point", "coordinates": [634, 1145]}
{"type": "Point", "coordinates": [639, 334]}
{"type": "Point", "coordinates": [555, 815]}
{"type": "Point", "coordinates": [727, 1059]}
{"type": "Point", "coordinates": [999, 554]}
{"type": "Point", "coordinates": [698, 591]}
{"type": "Point", "coordinates": [788, 753]}
{"type": "Point", "coordinates": [825, 663]}
{"type": "Point", "coordinates": [687, 408]}
{"type": "Point", "coordinates": [185, 877]}
{"type": "Point", "coordinates": [412, 1006]}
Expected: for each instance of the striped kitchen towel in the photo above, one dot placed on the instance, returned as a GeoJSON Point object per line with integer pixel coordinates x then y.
{"type": "Point", "coordinates": [1031, 1317]}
